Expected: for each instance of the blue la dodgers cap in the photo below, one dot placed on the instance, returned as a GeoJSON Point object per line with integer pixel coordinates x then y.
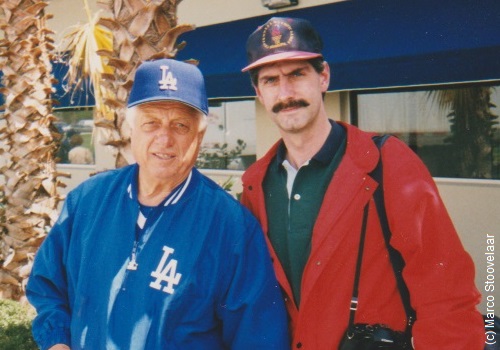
{"type": "Point", "coordinates": [169, 80]}
{"type": "Point", "coordinates": [282, 38]}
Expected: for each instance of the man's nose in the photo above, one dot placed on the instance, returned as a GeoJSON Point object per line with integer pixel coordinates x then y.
{"type": "Point", "coordinates": [164, 135]}
{"type": "Point", "coordinates": [285, 89]}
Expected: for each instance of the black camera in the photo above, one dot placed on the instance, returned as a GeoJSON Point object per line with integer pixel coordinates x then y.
{"type": "Point", "coordinates": [373, 337]}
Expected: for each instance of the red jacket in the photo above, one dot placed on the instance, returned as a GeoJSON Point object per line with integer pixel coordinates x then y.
{"type": "Point", "coordinates": [439, 273]}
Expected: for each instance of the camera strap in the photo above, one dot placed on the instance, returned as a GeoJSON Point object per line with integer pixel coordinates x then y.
{"type": "Point", "coordinates": [396, 259]}
{"type": "Point", "coordinates": [354, 300]}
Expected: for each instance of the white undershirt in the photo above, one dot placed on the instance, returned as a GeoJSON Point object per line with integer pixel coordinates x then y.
{"type": "Point", "coordinates": [291, 175]}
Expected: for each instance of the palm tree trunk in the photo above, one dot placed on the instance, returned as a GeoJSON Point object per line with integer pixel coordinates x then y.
{"type": "Point", "coordinates": [27, 140]}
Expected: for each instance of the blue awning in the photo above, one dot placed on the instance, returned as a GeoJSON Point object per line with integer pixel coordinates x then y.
{"type": "Point", "coordinates": [70, 98]}
{"type": "Point", "coordinates": [369, 44]}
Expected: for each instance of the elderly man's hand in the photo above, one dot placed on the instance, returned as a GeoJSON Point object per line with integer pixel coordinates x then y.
{"type": "Point", "coordinates": [60, 347]}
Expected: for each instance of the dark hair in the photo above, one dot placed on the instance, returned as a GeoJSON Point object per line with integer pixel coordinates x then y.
{"type": "Point", "coordinates": [316, 63]}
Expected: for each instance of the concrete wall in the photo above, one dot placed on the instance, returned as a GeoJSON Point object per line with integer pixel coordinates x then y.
{"type": "Point", "coordinates": [220, 11]}
{"type": "Point", "coordinates": [474, 206]}
{"type": "Point", "coordinates": [66, 14]}
{"type": "Point", "coordinates": [198, 12]}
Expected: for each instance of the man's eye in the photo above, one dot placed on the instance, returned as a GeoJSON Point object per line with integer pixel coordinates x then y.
{"type": "Point", "coordinates": [181, 127]}
{"type": "Point", "coordinates": [149, 125]}
{"type": "Point", "coordinates": [269, 81]}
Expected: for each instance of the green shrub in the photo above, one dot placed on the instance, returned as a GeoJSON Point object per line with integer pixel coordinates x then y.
{"type": "Point", "coordinates": [15, 326]}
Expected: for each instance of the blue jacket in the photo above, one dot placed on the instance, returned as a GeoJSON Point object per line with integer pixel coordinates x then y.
{"type": "Point", "coordinates": [204, 278]}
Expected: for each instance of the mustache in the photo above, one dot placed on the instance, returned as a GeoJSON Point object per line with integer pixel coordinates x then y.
{"type": "Point", "coordinates": [289, 104]}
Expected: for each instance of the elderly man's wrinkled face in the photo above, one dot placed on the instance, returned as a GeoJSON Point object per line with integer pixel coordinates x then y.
{"type": "Point", "coordinates": [165, 140]}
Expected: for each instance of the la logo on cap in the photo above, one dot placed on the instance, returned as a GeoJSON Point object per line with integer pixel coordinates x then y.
{"type": "Point", "coordinates": [276, 34]}
{"type": "Point", "coordinates": [167, 82]}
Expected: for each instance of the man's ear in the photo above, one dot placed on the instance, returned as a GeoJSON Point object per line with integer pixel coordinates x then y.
{"type": "Point", "coordinates": [257, 92]}
{"type": "Point", "coordinates": [202, 129]}
{"type": "Point", "coordinates": [325, 77]}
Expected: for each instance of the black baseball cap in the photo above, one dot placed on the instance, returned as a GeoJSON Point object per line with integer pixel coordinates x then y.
{"type": "Point", "coordinates": [280, 39]}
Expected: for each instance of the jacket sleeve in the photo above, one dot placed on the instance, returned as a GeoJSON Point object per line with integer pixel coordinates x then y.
{"type": "Point", "coordinates": [47, 288]}
{"type": "Point", "coordinates": [252, 308]}
{"type": "Point", "coordinates": [438, 271]}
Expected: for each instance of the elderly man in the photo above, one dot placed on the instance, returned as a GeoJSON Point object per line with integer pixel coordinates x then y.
{"type": "Point", "coordinates": [155, 255]}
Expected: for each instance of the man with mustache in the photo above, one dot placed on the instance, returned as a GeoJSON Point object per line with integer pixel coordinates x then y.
{"type": "Point", "coordinates": [310, 192]}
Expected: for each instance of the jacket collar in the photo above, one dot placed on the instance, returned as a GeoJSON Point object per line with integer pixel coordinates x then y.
{"type": "Point", "coordinates": [173, 198]}
{"type": "Point", "coordinates": [327, 151]}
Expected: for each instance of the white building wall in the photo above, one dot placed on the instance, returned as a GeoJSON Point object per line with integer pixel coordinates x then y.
{"type": "Point", "coordinates": [220, 11]}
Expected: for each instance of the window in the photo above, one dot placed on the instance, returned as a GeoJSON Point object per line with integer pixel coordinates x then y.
{"type": "Point", "coordinates": [229, 141]}
{"type": "Point", "coordinates": [454, 130]}
{"type": "Point", "coordinates": [76, 126]}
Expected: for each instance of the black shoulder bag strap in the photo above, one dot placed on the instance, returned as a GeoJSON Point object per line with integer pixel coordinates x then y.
{"type": "Point", "coordinates": [396, 259]}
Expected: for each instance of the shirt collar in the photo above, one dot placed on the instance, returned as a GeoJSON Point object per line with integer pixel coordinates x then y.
{"type": "Point", "coordinates": [326, 152]}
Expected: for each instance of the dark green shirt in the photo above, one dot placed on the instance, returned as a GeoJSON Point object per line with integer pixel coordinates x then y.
{"type": "Point", "coordinates": [291, 220]}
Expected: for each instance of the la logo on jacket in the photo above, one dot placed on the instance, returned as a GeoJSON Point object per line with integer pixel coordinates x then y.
{"type": "Point", "coordinates": [166, 272]}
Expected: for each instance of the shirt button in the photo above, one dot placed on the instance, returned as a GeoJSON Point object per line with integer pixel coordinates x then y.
{"type": "Point", "coordinates": [318, 262]}
{"type": "Point", "coordinates": [296, 196]}
{"type": "Point", "coordinates": [299, 345]}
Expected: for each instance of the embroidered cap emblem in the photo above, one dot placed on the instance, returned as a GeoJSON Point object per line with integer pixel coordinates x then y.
{"type": "Point", "coordinates": [277, 34]}
{"type": "Point", "coordinates": [167, 82]}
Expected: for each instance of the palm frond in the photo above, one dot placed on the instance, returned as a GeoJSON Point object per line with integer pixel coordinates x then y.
{"type": "Point", "coordinates": [79, 49]}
